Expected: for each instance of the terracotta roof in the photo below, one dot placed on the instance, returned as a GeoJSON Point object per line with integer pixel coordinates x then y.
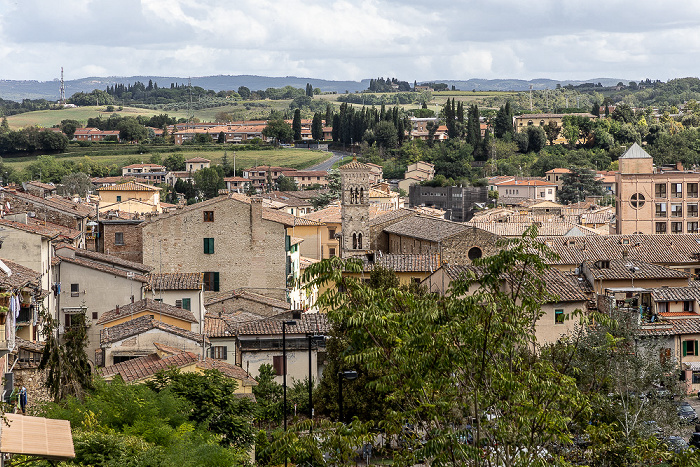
{"type": "Point", "coordinates": [110, 259]}
{"type": "Point", "coordinates": [525, 183]}
{"type": "Point", "coordinates": [147, 304]}
{"type": "Point", "coordinates": [305, 173]}
{"type": "Point", "coordinates": [354, 165]}
{"type": "Point", "coordinates": [144, 367]}
{"type": "Point", "coordinates": [176, 281]}
{"type": "Point", "coordinates": [44, 231]}
{"type": "Point", "coordinates": [141, 325]}
{"type": "Point", "coordinates": [558, 170]}
{"type": "Point", "coordinates": [620, 269]}
{"type": "Point", "coordinates": [330, 214]}
{"type": "Point", "coordinates": [583, 114]}
{"type": "Point", "coordinates": [427, 228]}
{"type": "Point", "coordinates": [20, 343]}
{"type": "Point", "coordinates": [45, 186]}
{"type": "Point", "coordinates": [516, 229]}
{"type": "Point", "coordinates": [21, 276]}
{"type": "Point", "coordinates": [129, 186]}
{"type": "Point", "coordinates": [197, 159]}
{"type": "Point", "coordinates": [142, 166]}
{"type": "Point", "coordinates": [215, 326]}
{"type": "Point", "coordinates": [675, 294]}
{"type": "Point", "coordinates": [308, 323]}
{"type": "Point", "coordinates": [659, 249]}
{"type": "Point", "coordinates": [406, 263]}
{"type": "Point", "coordinates": [232, 371]}
{"type": "Point", "coordinates": [246, 295]}
{"type": "Point", "coordinates": [100, 267]}
{"type": "Point", "coordinates": [391, 216]}
{"type": "Point", "coordinates": [56, 202]}
{"type": "Point", "coordinates": [672, 327]}
{"type": "Point", "coordinates": [282, 197]}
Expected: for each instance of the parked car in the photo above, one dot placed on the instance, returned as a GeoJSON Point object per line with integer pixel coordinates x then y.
{"type": "Point", "coordinates": [694, 440]}
{"type": "Point", "coordinates": [687, 414]}
{"type": "Point", "coordinates": [676, 444]}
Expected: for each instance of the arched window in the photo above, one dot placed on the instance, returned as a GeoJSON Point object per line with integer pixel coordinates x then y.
{"type": "Point", "coordinates": [541, 122]}
{"type": "Point", "coordinates": [362, 195]}
{"type": "Point", "coordinates": [359, 241]}
{"type": "Point", "coordinates": [354, 241]}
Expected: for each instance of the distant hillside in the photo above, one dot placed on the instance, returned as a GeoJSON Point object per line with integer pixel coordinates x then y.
{"type": "Point", "coordinates": [18, 90]}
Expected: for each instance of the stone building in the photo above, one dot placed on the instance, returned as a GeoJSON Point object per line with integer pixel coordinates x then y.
{"type": "Point", "coordinates": [655, 200]}
{"type": "Point", "coordinates": [56, 209]}
{"type": "Point", "coordinates": [121, 238]}
{"type": "Point", "coordinates": [232, 239]}
{"type": "Point", "coordinates": [354, 180]}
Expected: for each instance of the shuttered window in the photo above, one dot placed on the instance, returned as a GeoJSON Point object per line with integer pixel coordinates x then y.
{"type": "Point", "coordinates": [208, 246]}
{"type": "Point", "coordinates": [211, 281]}
{"type": "Point", "coordinates": [690, 348]}
{"type": "Point", "coordinates": [279, 365]}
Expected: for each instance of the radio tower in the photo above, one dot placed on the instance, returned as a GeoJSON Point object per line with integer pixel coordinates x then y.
{"type": "Point", "coordinates": [63, 89]}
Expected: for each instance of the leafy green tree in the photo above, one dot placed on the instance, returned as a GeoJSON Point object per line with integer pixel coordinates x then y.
{"type": "Point", "coordinates": [578, 184]}
{"type": "Point", "coordinates": [268, 393]}
{"type": "Point", "coordinates": [4, 126]}
{"type": "Point", "coordinates": [552, 131]}
{"type": "Point", "coordinates": [279, 130]}
{"type": "Point", "coordinates": [244, 92]}
{"type": "Point", "coordinates": [386, 135]}
{"type": "Point", "coordinates": [208, 181]}
{"type": "Point", "coordinates": [296, 125]}
{"type": "Point", "coordinates": [503, 124]}
{"type": "Point", "coordinates": [175, 162]}
{"type": "Point", "coordinates": [286, 184]}
{"type": "Point", "coordinates": [131, 130]}
{"type": "Point", "coordinates": [536, 138]}
{"type": "Point", "coordinates": [69, 126]}
{"type": "Point", "coordinates": [68, 371]}
{"type": "Point", "coordinates": [76, 183]}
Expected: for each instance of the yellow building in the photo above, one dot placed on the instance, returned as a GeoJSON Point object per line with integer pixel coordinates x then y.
{"type": "Point", "coordinates": [146, 198]}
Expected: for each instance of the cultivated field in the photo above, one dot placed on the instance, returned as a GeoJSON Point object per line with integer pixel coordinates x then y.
{"type": "Point", "coordinates": [295, 158]}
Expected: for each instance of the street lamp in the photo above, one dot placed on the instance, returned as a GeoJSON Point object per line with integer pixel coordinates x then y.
{"type": "Point", "coordinates": [349, 375]}
{"type": "Point", "coordinates": [284, 367]}
{"type": "Point", "coordinates": [317, 339]}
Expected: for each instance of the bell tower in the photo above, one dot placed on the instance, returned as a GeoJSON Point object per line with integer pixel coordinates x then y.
{"type": "Point", "coordinates": [354, 208]}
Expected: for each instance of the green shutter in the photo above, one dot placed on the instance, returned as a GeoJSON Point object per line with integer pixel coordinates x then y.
{"type": "Point", "coordinates": [696, 348]}
{"type": "Point", "coordinates": [187, 304]}
{"type": "Point", "coordinates": [216, 282]}
{"type": "Point", "coordinates": [685, 348]}
{"type": "Point", "coordinates": [208, 246]}
{"type": "Point", "coordinates": [287, 242]}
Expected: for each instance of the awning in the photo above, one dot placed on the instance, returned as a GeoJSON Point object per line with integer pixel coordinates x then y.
{"type": "Point", "coordinates": [36, 436]}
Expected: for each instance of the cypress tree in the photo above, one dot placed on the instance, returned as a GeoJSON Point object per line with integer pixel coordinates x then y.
{"type": "Point", "coordinates": [296, 125]}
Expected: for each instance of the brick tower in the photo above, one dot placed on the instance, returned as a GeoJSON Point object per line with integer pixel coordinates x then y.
{"type": "Point", "coordinates": [354, 212]}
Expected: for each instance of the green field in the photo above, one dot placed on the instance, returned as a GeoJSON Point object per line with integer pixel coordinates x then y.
{"type": "Point", "coordinates": [295, 158]}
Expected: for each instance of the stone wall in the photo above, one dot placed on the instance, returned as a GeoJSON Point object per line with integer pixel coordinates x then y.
{"type": "Point", "coordinates": [43, 211]}
{"type": "Point", "coordinates": [132, 247]}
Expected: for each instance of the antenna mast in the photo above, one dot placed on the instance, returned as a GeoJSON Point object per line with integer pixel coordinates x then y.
{"type": "Point", "coordinates": [63, 89]}
{"type": "Point", "coordinates": [190, 116]}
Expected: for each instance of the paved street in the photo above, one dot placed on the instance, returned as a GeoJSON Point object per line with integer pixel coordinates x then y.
{"type": "Point", "coordinates": [328, 163]}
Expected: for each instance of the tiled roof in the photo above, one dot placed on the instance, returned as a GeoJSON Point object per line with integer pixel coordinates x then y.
{"type": "Point", "coordinates": [330, 214]}
{"type": "Point", "coordinates": [147, 304]}
{"type": "Point", "coordinates": [176, 281]}
{"type": "Point", "coordinates": [553, 115]}
{"type": "Point", "coordinates": [110, 259]}
{"type": "Point", "coordinates": [55, 202]}
{"type": "Point", "coordinates": [354, 164]}
{"type": "Point", "coordinates": [673, 294]}
{"type": "Point", "coordinates": [65, 232]}
{"type": "Point", "coordinates": [44, 231]}
{"type": "Point", "coordinates": [516, 229]}
{"type": "Point", "coordinates": [282, 197]}
{"type": "Point", "coordinates": [28, 345]}
{"type": "Point", "coordinates": [635, 152]}
{"type": "Point", "coordinates": [246, 295]}
{"type": "Point", "coordinates": [406, 263]}
{"type": "Point", "coordinates": [143, 367]}
{"type": "Point", "coordinates": [558, 170]}
{"type": "Point", "coordinates": [672, 327]}
{"type": "Point", "coordinates": [232, 371]}
{"type": "Point", "coordinates": [197, 159]}
{"type": "Point", "coordinates": [20, 277]}
{"type": "Point", "coordinates": [45, 186]}
{"type": "Point", "coordinates": [564, 287]}
{"type": "Point", "coordinates": [129, 186]}
{"type": "Point", "coordinates": [144, 324]}
{"type": "Point", "coordinates": [621, 269]}
{"type": "Point", "coordinates": [101, 267]}
{"type": "Point", "coordinates": [308, 323]}
{"type": "Point", "coordinates": [659, 249]}
{"type": "Point", "coordinates": [391, 215]}
{"type": "Point", "coordinates": [215, 326]}
{"type": "Point", "coordinates": [427, 228]}
{"type": "Point", "coordinates": [526, 183]}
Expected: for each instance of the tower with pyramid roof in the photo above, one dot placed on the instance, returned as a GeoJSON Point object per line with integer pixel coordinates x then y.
{"type": "Point", "coordinates": [354, 208]}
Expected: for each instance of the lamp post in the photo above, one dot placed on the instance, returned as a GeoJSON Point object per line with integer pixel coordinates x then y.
{"type": "Point", "coordinates": [317, 339]}
{"type": "Point", "coordinates": [349, 375]}
{"type": "Point", "coordinates": [284, 368]}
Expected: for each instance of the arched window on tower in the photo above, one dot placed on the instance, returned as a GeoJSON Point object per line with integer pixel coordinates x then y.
{"type": "Point", "coordinates": [354, 241]}
{"type": "Point", "coordinates": [362, 195]}
{"type": "Point", "coordinates": [359, 241]}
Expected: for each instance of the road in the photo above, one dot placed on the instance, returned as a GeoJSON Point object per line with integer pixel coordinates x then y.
{"type": "Point", "coordinates": [328, 163]}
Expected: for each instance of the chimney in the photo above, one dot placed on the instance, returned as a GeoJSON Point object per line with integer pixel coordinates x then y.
{"type": "Point", "coordinates": [117, 309]}
{"type": "Point", "coordinates": [256, 209]}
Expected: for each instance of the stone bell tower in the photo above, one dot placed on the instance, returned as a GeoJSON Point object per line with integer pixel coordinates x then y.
{"type": "Point", "coordinates": [354, 211]}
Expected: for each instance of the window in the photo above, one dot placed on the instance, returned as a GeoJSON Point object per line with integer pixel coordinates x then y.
{"type": "Point", "coordinates": [696, 377]}
{"type": "Point", "coordinates": [74, 290]}
{"type": "Point", "coordinates": [676, 210]}
{"type": "Point", "coordinates": [660, 227]}
{"type": "Point", "coordinates": [676, 190]}
{"type": "Point", "coordinates": [187, 304]}
{"type": "Point", "coordinates": [331, 251]}
{"type": "Point", "coordinates": [331, 234]}
{"type": "Point", "coordinates": [211, 281]}
{"type": "Point", "coordinates": [692, 227]}
{"type": "Point", "coordinates": [208, 216]}
{"type": "Point", "coordinates": [687, 306]}
{"type": "Point", "coordinates": [208, 246]}
{"type": "Point", "coordinates": [692, 209]}
{"type": "Point", "coordinates": [219, 352]}
{"type": "Point", "coordinates": [559, 316]}
{"type": "Point", "coordinates": [118, 238]}
{"type": "Point", "coordinates": [474, 253]}
{"type": "Point", "coordinates": [119, 198]}
{"type": "Point", "coordinates": [692, 190]}
{"type": "Point", "coordinates": [690, 348]}
{"type": "Point", "coordinates": [279, 365]}
{"type": "Point", "coordinates": [637, 200]}
{"type": "Point", "coordinates": [94, 315]}
{"type": "Point", "coordinates": [676, 227]}
{"type": "Point", "coordinates": [660, 209]}
{"type": "Point", "coordinates": [660, 190]}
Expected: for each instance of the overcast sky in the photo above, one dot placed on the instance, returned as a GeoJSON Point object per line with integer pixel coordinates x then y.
{"type": "Point", "coordinates": [343, 40]}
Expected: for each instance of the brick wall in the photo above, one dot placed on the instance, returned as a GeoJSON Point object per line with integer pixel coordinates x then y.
{"type": "Point", "coordinates": [454, 250]}
{"type": "Point", "coordinates": [132, 247]}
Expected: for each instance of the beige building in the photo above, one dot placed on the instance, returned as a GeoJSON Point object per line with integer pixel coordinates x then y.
{"type": "Point", "coordinates": [518, 190]}
{"type": "Point", "coordinates": [521, 122]}
{"type": "Point", "coordinates": [197, 163]}
{"type": "Point", "coordinates": [651, 200]}
{"type": "Point", "coordinates": [144, 198]}
{"type": "Point", "coordinates": [415, 173]}
{"type": "Point", "coordinates": [179, 289]}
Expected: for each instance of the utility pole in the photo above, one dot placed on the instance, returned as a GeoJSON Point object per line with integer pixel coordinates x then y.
{"type": "Point", "coordinates": [531, 98]}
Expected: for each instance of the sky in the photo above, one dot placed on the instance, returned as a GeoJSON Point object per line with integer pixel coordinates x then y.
{"type": "Point", "coordinates": [351, 40]}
